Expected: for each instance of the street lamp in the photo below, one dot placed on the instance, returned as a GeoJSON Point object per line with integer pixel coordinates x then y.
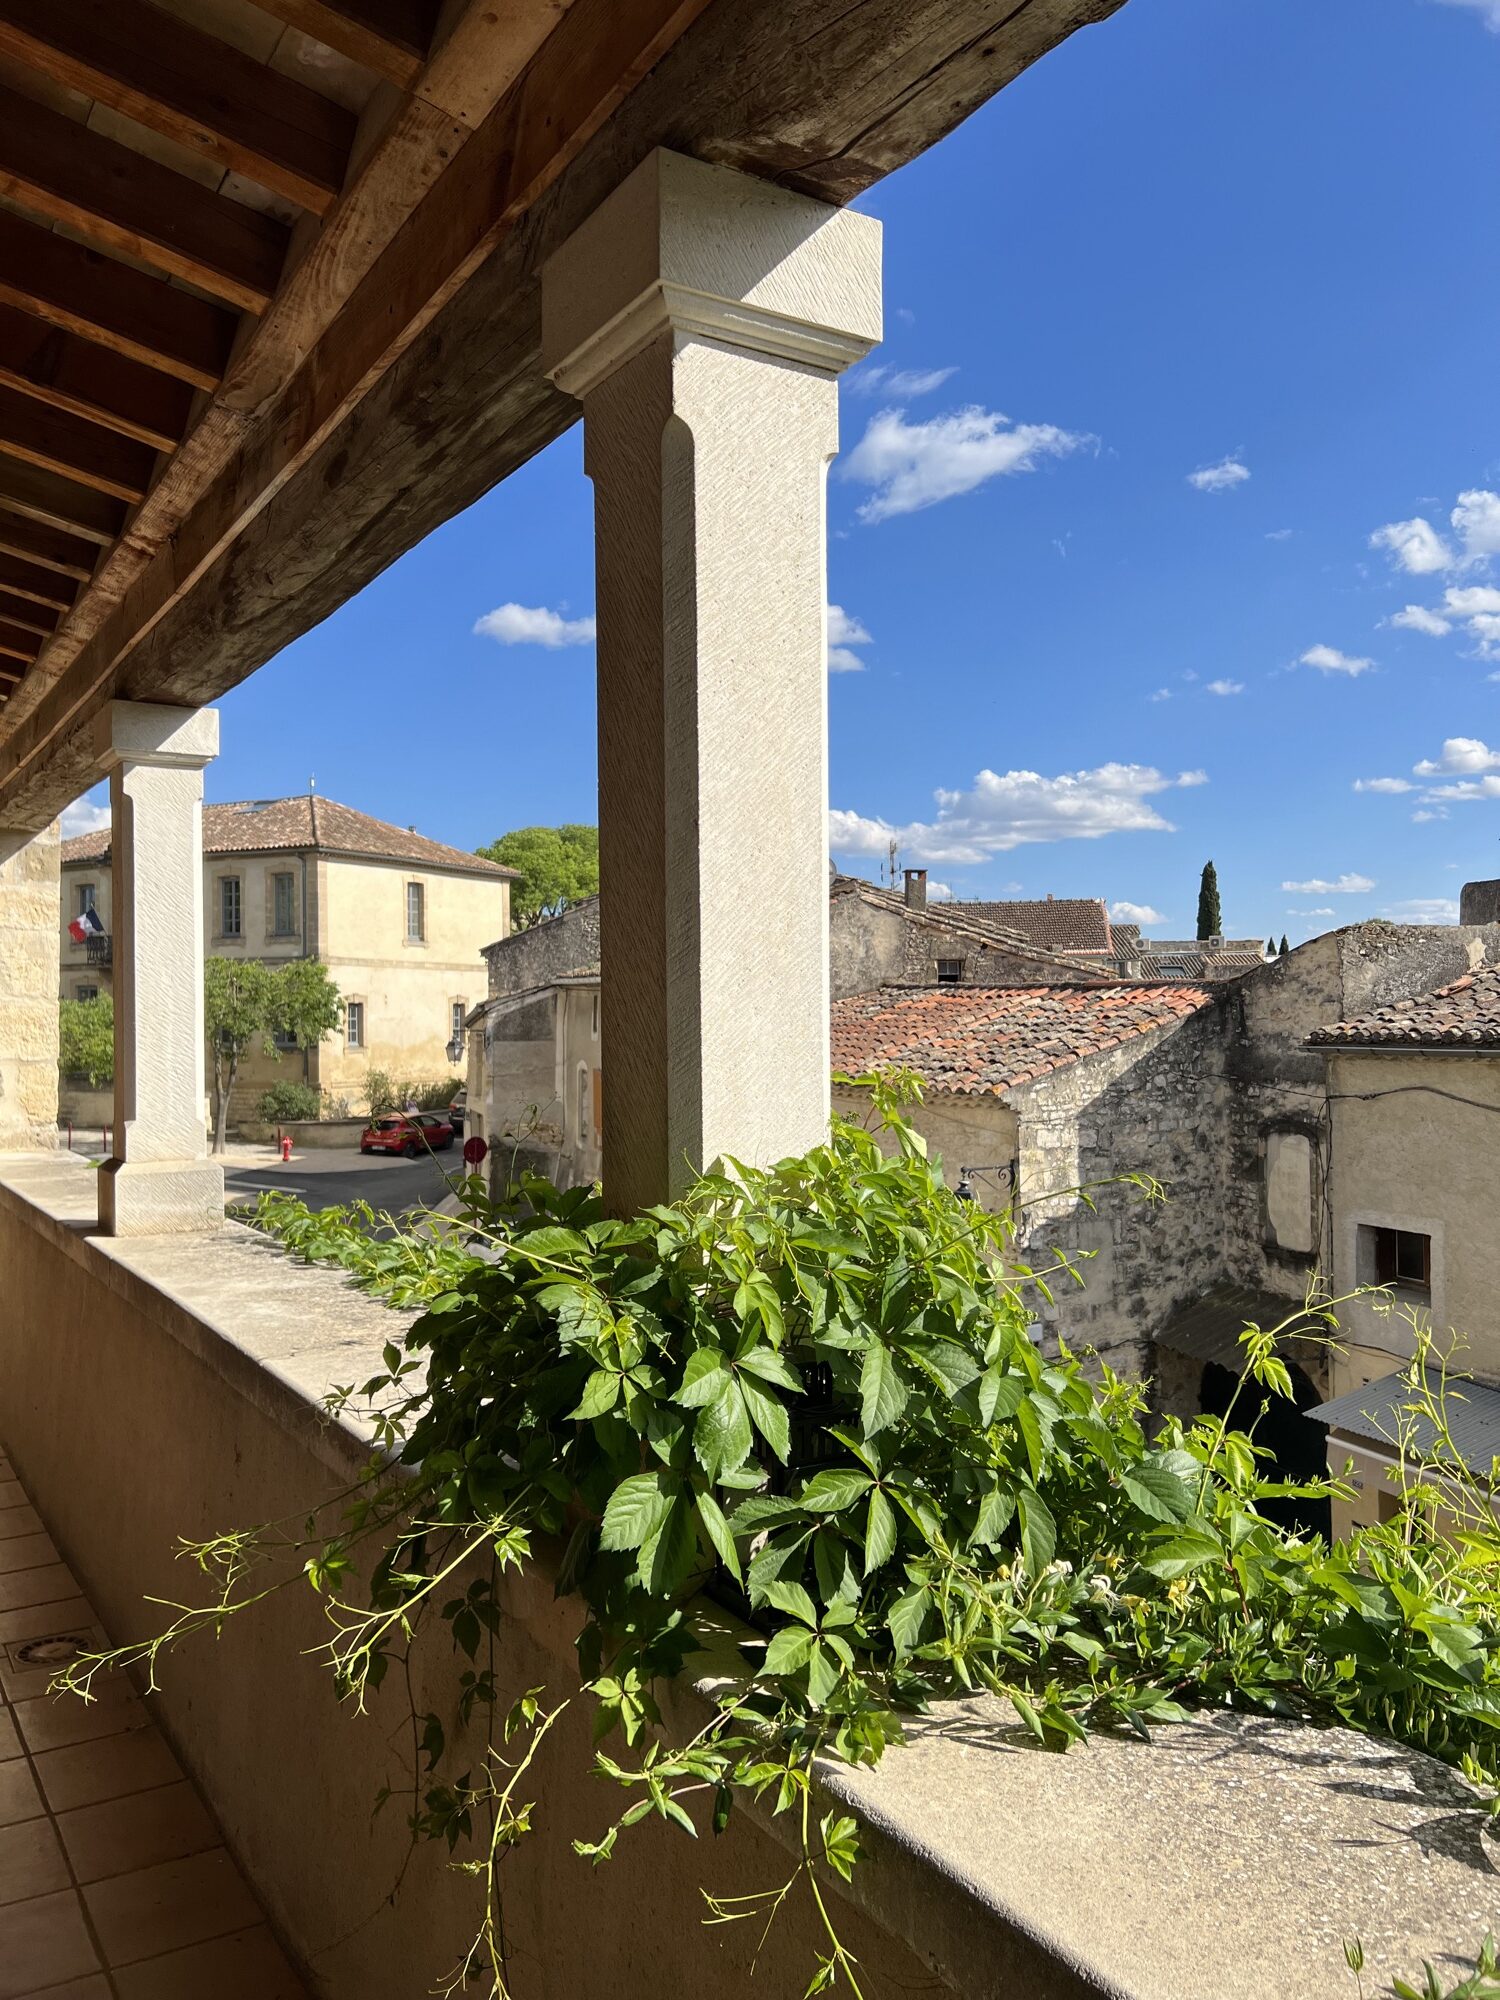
{"type": "Point", "coordinates": [455, 1050]}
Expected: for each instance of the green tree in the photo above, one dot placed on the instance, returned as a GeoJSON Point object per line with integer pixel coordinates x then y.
{"type": "Point", "coordinates": [1210, 920]}
{"type": "Point", "coordinates": [86, 1038]}
{"type": "Point", "coordinates": [1285, 947]}
{"type": "Point", "coordinates": [244, 999]}
{"type": "Point", "coordinates": [307, 1005]}
{"type": "Point", "coordinates": [558, 865]}
{"type": "Point", "coordinates": [1270, 947]}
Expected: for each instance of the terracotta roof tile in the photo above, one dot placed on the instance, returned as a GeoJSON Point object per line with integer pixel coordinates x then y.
{"type": "Point", "coordinates": [1056, 923]}
{"type": "Point", "coordinates": [962, 920]}
{"type": "Point", "coordinates": [1465, 1015]}
{"type": "Point", "coordinates": [982, 1040]}
{"type": "Point", "coordinates": [262, 826]}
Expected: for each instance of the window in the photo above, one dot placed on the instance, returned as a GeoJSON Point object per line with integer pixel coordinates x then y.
{"type": "Point", "coordinates": [354, 1024]}
{"type": "Point", "coordinates": [594, 1025]}
{"type": "Point", "coordinates": [459, 1010]}
{"type": "Point", "coordinates": [416, 929]}
{"type": "Point", "coordinates": [1399, 1257]}
{"type": "Point", "coordinates": [283, 906]}
{"type": "Point", "coordinates": [86, 993]}
{"type": "Point", "coordinates": [585, 1103]}
{"type": "Point", "coordinates": [950, 971]}
{"type": "Point", "coordinates": [229, 906]}
{"type": "Point", "coordinates": [86, 893]}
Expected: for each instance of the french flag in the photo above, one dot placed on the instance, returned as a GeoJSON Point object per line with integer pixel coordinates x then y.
{"type": "Point", "coordinates": [84, 926]}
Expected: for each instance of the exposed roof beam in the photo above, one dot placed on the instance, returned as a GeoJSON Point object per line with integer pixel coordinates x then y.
{"type": "Point", "coordinates": [63, 555]}
{"type": "Point", "coordinates": [28, 617]}
{"type": "Point", "coordinates": [390, 37]}
{"type": "Point", "coordinates": [128, 311]}
{"type": "Point", "coordinates": [156, 68]}
{"type": "Point", "coordinates": [119, 198]}
{"type": "Point", "coordinates": [19, 645]}
{"type": "Point", "coordinates": [53, 502]}
{"type": "Point", "coordinates": [72, 374]}
{"type": "Point", "coordinates": [35, 584]}
{"type": "Point", "coordinates": [69, 445]}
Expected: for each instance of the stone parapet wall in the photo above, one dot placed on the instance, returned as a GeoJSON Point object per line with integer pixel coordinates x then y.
{"type": "Point", "coordinates": [29, 903]}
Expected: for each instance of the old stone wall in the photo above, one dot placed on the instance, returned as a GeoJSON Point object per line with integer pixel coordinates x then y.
{"type": "Point", "coordinates": [874, 943]}
{"type": "Point", "coordinates": [535, 957]}
{"type": "Point", "coordinates": [29, 904]}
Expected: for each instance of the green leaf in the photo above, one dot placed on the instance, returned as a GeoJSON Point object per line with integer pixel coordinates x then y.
{"type": "Point", "coordinates": [666, 1560]}
{"type": "Point", "coordinates": [769, 1416]}
{"type": "Point", "coordinates": [954, 1366]}
{"type": "Point", "coordinates": [1038, 1530]}
{"type": "Point", "coordinates": [996, 1512]}
{"type": "Point", "coordinates": [600, 1394]}
{"type": "Point", "coordinates": [881, 1390]}
{"type": "Point", "coordinates": [822, 1674]}
{"type": "Point", "coordinates": [717, 1528]}
{"type": "Point", "coordinates": [702, 1379]}
{"type": "Point", "coordinates": [794, 1600]}
{"type": "Point", "coordinates": [831, 1492]}
{"type": "Point", "coordinates": [880, 1531]}
{"type": "Point", "coordinates": [637, 1509]}
{"type": "Point", "coordinates": [1157, 1492]}
{"type": "Point", "coordinates": [552, 1243]}
{"type": "Point", "coordinates": [1188, 1549]}
{"type": "Point", "coordinates": [722, 1435]}
{"type": "Point", "coordinates": [771, 1367]}
{"type": "Point", "coordinates": [789, 1649]}
{"type": "Point", "coordinates": [906, 1618]}
{"type": "Point", "coordinates": [1030, 1426]}
{"type": "Point", "coordinates": [1000, 1395]}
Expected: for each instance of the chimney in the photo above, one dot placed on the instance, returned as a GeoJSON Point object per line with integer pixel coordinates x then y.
{"type": "Point", "coordinates": [916, 888]}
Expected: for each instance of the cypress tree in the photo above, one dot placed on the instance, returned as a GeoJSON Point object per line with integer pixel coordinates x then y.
{"type": "Point", "coordinates": [1210, 922]}
{"type": "Point", "coordinates": [1270, 947]}
{"type": "Point", "coordinates": [1285, 947]}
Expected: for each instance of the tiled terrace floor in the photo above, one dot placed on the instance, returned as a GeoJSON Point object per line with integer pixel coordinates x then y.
{"type": "Point", "coordinates": [114, 1881]}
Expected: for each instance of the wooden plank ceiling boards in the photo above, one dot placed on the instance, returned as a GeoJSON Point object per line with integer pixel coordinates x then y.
{"type": "Point", "coordinates": [268, 299]}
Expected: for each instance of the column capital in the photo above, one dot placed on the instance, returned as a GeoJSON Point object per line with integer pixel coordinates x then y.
{"type": "Point", "coordinates": [147, 732]}
{"type": "Point", "coordinates": [710, 254]}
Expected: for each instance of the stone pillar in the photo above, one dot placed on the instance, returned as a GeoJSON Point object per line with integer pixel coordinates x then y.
{"type": "Point", "coordinates": [703, 318]}
{"type": "Point", "coordinates": [160, 1180]}
{"type": "Point", "coordinates": [30, 954]}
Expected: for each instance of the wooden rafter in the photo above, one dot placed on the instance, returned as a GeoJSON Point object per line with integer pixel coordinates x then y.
{"type": "Point", "coordinates": [19, 645]}
{"type": "Point", "coordinates": [121, 199]}
{"type": "Point", "coordinates": [88, 381]}
{"type": "Point", "coordinates": [171, 77]}
{"type": "Point", "coordinates": [128, 311]}
{"type": "Point", "coordinates": [28, 617]}
{"type": "Point", "coordinates": [59, 442]}
{"type": "Point", "coordinates": [53, 502]}
{"type": "Point", "coordinates": [390, 37]}
{"type": "Point", "coordinates": [35, 584]}
{"type": "Point", "coordinates": [46, 548]}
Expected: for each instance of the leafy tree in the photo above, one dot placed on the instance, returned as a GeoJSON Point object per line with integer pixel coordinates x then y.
{"type": "Point", "coordinates": [558, 865]}
{"type": "Point", "coordinates": [86, 1038]}
{"type": "Point", "coordinates": [243, 999]}
{"type": "Point", "coordinates": [1285, 947]}
{"type": "Point", "coordinates": [1210, 920]}
{"type": "Point", "coordinates": [308, 1005]}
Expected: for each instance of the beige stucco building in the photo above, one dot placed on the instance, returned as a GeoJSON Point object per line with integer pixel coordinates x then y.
{"type": "Point", "coordinates": [399, 921]}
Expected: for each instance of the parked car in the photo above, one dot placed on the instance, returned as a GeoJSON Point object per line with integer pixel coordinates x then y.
{"type": "Point", "coordinates": [410, 1132]}
{"type": "Point", "coordinates": [458, 1110]}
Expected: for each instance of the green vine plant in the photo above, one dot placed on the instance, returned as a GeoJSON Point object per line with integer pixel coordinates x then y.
{"type": "Point", "coordinates": [810, 1393]}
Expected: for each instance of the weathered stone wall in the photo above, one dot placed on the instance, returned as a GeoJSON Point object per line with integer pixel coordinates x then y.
{"type": "Point", "coordinates": [29, 905]}
{"type": "Point", "coordinates": [536, 957]}
{"type": "Point", "coordinates": [873, 944]}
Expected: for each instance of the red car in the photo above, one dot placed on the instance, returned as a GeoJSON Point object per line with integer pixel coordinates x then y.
{"type": "Point", "coordinates": [410, 1132]}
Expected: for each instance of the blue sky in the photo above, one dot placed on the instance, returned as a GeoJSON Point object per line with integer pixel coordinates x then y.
{"type": "Point", "coordinates": [1249, 239]}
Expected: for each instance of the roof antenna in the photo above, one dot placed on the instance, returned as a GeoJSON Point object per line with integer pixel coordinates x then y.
{"type": "Point", "coordinates": [312, 784]}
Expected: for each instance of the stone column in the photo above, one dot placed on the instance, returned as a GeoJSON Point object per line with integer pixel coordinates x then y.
{"type": "Point", "coordinates": [30, 955]}
{"type": "Point", "coordinates": [160, 1180]}
{"type": "Point", "coordinates": [703, 318]}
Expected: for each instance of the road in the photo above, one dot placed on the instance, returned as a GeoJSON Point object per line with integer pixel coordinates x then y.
{"type": "Point", "coordinates": [330, 1179]}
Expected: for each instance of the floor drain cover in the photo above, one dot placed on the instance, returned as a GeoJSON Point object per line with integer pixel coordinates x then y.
{"type": "Point", "coordinates": [55, 1651]}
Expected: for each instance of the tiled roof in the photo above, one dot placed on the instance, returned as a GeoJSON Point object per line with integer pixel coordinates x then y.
{"type": "Point", "coordinates": [1465, 1015]}
{"type": "Point", "coordinates": [1056, 923]}
{"type": "Point", "coordinates": [985, 1039]}
{"type": "Point", "coordinates": [1163, 958]}
{"type": "Point", "coordinates": [263, 826]}
{"type": "Point", "coordinates": [959, 920]}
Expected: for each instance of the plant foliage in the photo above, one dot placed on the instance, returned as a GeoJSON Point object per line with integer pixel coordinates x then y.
{"type": "Point", "coordinates": [86, 1038]}
{"type": "Point", "coordinates": [389, 1093]}
{"type": "Point", "coordinates": [813, 1389]}
{"type": "Point", "coordinates": [1210, 920]}
{"type": "Point", "coordinates": [558, 865]}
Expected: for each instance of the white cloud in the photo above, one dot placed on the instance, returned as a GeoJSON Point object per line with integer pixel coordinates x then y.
{"type": "Point", "coordinates": [1462, 754]}
{"type": "Point", "coordinates": [1329, 660]}
{"type": "Point", "coordinates": [1415, 546]}
{"type": "Point", "coordinates": [1219, 478]}
{"type": "Point", "coordinates": [1278, 534]}
{"type": "Point", "coordinates": [1345, 885]}
{"type": "Point", "coordinates": [911, 466]}
{"type": "Point", "coordinates": [1487, 10]}
{"type": "Point", "coordinates": [1161, 694]}
{"type": "Point", "coordinates": [1424, 815]}
{"type": "Point", "coordinates": [1384, 785]}
{"type": "Point", "coordinates": [1416, 618]}
{"type": "Point", "coordinates": [534, 625]}
{"type": "Point", "coordinates": [939, 892]}
{"type": "Point", "coordinates": [844, 634]}
{"type": "Point", "coordinates": [1424, 910]}
{"type": "Point", "coordinates": [1478, 606]}
{"type": "Point", "coordinates": [1226, 687]}
{"type": "Point", "coordinates": [1135, 913]}
{"type": "Point", "coordinates": [1003, 810]}
{"type": "Point", "coordinates": [84, 816]}
{"type": "Point", "coordinates": [879, 380]}
{"type": "Point", "coordinates": [1476, 518]}
{"type": "Point", "coordinates": [1327, 911]}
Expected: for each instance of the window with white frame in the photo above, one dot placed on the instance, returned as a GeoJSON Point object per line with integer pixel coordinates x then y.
{"type": "Point", "coordinates": [459, 1010]}
{"type": "Point", "coordinates": [86, 893]}
{"type": "Point", "coordinates": [229, 906]}
{"type": "Point", "coordinates": [416, 913]}
{"type": "Point", "coordinates": [354, 1024]}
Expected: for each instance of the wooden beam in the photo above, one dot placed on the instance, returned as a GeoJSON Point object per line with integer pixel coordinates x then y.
{"type": "Point", "coordinates": [119, 198]}
{"type": "Point", "coordinates": [62, 555]}
{"type": "Point", "coordinates": [28, 617]}
{"type": "Point", "coordinates": [130, 312]}
{"type": "Point", "coordinates": [19, 645]}
{"type": "Point", "coordinates": [35, 584]}
{"type": "Point", "coordinates": [58, 442]}
{"type": "Point", "coordinates": [390, 37]}
{"type": "Point", "coordinates": [72, 374]}
{"type": "Point", "coordinates": [156, 68]}
{"type": "Point", "coordinates": [53, 502]}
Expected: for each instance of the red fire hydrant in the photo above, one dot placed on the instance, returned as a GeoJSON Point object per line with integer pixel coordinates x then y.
{"type": "Point", "coordinates": [286, 1145]}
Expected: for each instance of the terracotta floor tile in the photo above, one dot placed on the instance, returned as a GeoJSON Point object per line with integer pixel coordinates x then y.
{"type": "Point", "coordinates": [19, 1797]}
{"type": "Point", "coordinates": [248, 1966]}
{"type": "Point", "coordinates": [46, 1943]}
{"type": "Point", "coordinates": [51, 1722]}
{"type": "Point", "coordinates": [95, 1987]}
{"type": "Point", "coordinates": [35, 1621]}
{"type": "Point", "coordinates": [20, 1521]}
{"type": "Point", "coordinates": [10, 1736]}
{"type": "Point", "coordinates": [25, 1552]}
{"type": "Point", "coordinates": [49, 1583]}
{"type": "Point", "coordinates": [13, 1494]}
{"type": "Point", "coordinates": [137, 1832]}
{"type": "Point", "coordinates": [31, 1864]}
{"type": "Point", "coordinates": [154, 1911]}
{"type": "Point", "coordinates": [85, 1774]}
